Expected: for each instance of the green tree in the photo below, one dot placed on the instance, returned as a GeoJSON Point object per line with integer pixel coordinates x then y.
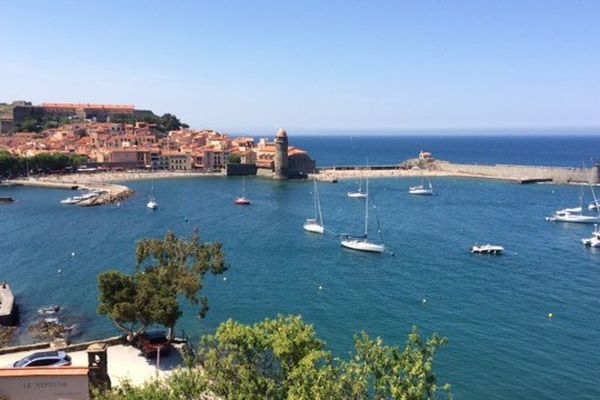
{"type": "Point", "coordinates": [166, 270]}
{"type": "Point", "coordinates": [31, 125]}
{"type": "Point", "coordinates": [234, 158]}
{"type": "Point", "coordinates": [283, 359]}
{"type": "Point", "coordinates": [170, 122]}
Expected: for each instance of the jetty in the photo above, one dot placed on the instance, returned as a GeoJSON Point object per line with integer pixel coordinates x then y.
{"type": "Point", "coordinates": [8, 306]}
{"type": "Point", "coordinates": [108, 192]}
{"type": "Point", "coordinates": [416, 168]}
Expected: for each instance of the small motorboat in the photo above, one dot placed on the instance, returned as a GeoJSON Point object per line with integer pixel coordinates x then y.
{"type": "Point", "coordinates": [594, 241]}
{"type": "Point", "coordinates": [70, 200]}
{"type": "Point", "coordinates": [487, 249]}
{"type": "Point", "coordinates": [78, 199]}
{"type": "Point", "coordinates": [49, 310]}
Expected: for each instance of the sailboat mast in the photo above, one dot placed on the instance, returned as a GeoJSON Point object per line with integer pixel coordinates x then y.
{"type": "Point", "coordinates": [319, 204]}
{"type": "Point", "coordinates": [244, 188]}
{"type": "Point", "coordinates": [315, 198]}
{"type": "Point", "coordinates": [367, 210]}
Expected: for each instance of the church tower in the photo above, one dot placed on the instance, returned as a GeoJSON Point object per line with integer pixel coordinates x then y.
{"type": "Point", "coordinates": [281, 155]}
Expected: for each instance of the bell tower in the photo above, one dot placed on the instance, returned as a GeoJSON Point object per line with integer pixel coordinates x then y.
{"type": "Point", "coordinates": [281, 155]}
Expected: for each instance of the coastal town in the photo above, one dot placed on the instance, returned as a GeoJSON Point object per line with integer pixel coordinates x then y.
{"type": "Point", "coordinates": [89, 131]}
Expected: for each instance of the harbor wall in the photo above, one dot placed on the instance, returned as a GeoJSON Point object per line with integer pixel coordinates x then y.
{"type": "Point", "coordinates": [523, 172]}
{"type": "Point", "coordinates": [240, 169]}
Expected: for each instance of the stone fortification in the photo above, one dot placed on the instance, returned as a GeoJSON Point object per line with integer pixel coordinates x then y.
{"type": "Point", "coordinates": [522, 172]}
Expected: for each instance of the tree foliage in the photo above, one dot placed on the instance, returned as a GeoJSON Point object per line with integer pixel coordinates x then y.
{"type": "Point", "coordinates": [283, 359]}
{"type": "Point", "coordinates": [13, 166]}
{"type": "Point", "coordinates": [164, 123]}
{"type": "Point", "coordinates": [234, 158]}
{"type": "Point", "coordinates": [166, 269]}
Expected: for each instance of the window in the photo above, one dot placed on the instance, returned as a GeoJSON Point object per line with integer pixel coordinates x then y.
{"type": "Point", "coordinates": [43, 362]}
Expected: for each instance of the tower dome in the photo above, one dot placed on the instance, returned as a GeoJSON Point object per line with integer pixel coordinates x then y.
{"type": "Point", "coordinates": [281, 133]}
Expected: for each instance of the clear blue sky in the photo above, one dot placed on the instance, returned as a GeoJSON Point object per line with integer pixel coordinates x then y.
{"type": "Point", "coordinates": [258, 65]}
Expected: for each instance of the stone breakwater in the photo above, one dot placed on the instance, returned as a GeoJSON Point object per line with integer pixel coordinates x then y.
{"type": "Point", "coordinates": [517, 173]}
{"type": "Point", "coordinates": [108, 192]}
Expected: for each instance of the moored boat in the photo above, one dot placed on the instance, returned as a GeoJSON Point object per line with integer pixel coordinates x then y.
{"type": "Point", "coordinates": [362, 243]}
{"type": "Point", "coordinates": [243, 200]}
{"type": "Point", "coordinates": [152, 204]}
{"type": "Point", "coordinates": [80, 198]}
{"type": "Point", "coordinates": [487, 249]}
{"type": "Point", "coordinates": [315, 225]}
{"type": "Point", "coordinates": [593, 241]}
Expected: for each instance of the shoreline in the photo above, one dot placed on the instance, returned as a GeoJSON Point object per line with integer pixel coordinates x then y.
{"type": "Point", "coordinates": [113, 192]}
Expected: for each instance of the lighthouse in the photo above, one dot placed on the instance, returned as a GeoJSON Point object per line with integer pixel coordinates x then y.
{"type": "Point", "coordinates": [281, 155]}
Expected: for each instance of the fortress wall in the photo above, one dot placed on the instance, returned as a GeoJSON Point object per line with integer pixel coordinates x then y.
{"type": "Point", "coordinates": [520, 172]}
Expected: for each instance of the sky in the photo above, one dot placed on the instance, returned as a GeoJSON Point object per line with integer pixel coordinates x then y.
{"type": "Point", "coordinates": [310, 66]}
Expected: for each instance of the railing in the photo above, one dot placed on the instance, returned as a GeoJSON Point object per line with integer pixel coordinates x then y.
{"type": "Point", "coordinates": [188, 346]}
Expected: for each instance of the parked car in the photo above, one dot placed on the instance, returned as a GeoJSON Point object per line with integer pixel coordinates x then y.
{"type": "Point", "coordinates": [44, 359]}
{"type": "Point", "coordinates": [150, 341]}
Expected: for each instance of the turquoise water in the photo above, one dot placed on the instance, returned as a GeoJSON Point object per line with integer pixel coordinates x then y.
{"type": "Point", "coordinates": [493, 309]}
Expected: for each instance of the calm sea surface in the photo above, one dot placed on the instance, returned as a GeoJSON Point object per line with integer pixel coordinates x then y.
{"type": "Point", "coordinates": [493, 309]}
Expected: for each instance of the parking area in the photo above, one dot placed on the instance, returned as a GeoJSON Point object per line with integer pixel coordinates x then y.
{"type": "Point", "coordinates": [124, 363]}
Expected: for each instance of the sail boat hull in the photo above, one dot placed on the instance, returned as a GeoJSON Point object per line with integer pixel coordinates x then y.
{"type": "Point", "coordinates": [357, 195]}
{"type": "Point", "coordinates": [313, 226]}
{"type": "Point", "coordinates": [363, 245]}
{"type": "Point", "coordinates": [421, 191]}
{"type": "Point", "coordinates": [243, 200]}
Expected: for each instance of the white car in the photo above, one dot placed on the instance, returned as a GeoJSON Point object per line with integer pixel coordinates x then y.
{"type": "Point", "coordinates": [44, 359]}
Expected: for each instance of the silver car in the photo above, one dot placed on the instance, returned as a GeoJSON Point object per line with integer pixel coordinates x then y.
{"type": "Point", "coordinates": [44, 359]}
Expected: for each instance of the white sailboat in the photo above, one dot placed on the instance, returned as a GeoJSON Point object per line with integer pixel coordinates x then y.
{"type": "Point", "coordinates": [575, 215]}
{"type": "Point", "coordinates": [363, 243]}
{"type": "Point", "coordinates": [243, 201]}
{"type": "Point", "coordinates": [359, 194]}
{"type": "Point", "coordinates": [152, 203]}
{"type": "Point", "coordinates": [315, 224]}
{"type": "Point", "coordinates": [421, 189]}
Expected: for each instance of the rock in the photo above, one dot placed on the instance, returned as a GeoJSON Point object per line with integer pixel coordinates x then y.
{"type": "Point", "coordinates": [6, 334]}
{"type": "Point", "coordinates": [49, 329]}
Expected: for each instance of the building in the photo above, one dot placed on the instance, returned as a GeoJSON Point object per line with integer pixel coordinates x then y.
{"type": "Point", "coordinates": [98, 112]}
{"type": "Point", "coordinates": [177, 161]}
{"type": "Point", "coordinates": [280, 161]}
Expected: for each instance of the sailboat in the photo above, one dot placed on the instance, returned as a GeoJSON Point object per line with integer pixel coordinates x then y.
{"type": "Point", "coordinates": [421, 189]}
{"type": "Point", "coordinates": [575, 215]}
{"type": "Point", "coordinates": [362, 243]}
{"type": "Point", "coordinates": [243, 201]}
{"type": "Point", "coordinates": [315, 224]}
{"type": "Point", "coordinates": [152, 203]}
{"type": "Point", "coordinates": [359, 194]}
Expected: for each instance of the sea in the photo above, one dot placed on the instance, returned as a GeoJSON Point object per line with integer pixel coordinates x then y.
{"type": "Point", "coordinates": [494, 310]}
